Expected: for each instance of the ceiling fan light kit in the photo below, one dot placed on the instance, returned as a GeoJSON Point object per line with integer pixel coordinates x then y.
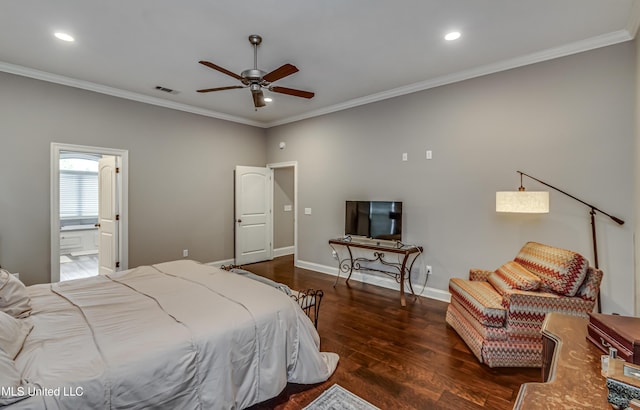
{"type": "Point", "coordinates": [256, 79]}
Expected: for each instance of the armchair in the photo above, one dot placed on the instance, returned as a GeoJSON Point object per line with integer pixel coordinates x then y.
{"type": "Point", "coordinates": [499, 313]}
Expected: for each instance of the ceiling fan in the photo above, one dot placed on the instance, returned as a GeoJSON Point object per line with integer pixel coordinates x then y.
{"type": "Point", "coordinates": [256, 79]}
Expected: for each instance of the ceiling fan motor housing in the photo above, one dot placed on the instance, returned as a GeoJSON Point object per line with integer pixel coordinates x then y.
{"type": "Point", "coordinates": [252, 74]}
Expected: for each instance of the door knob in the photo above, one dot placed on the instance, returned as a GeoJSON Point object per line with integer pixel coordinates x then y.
{"type": "Point", "coordinates": [239, 220]}
{"type": "Point", "coordinates": [97, 225]}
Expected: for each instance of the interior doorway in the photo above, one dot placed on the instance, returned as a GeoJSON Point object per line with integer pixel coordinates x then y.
{"type": "Point", "coordinates": [285, 208]}
{"type": "Point", "coordinates": [77, 198]}
{"type": "Point", "coordinates": [265, 212]}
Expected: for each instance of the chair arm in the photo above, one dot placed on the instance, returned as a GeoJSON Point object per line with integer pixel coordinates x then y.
{"type": "Point", "coordinates": [532, 302]}
{"type": "Point", "coordinates": [479, 274]}
{"type": "Point", "coordinates": [526, 310]}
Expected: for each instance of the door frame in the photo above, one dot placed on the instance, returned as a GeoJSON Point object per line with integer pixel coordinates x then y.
{"type": "Point", "coordinates": [294, 165]}
{"type": "Point", "coordinates": [123, 192]}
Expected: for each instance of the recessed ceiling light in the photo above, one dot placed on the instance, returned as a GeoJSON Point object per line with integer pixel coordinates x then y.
{"type": "Point", "coordinates": [268, 99]}
{"type": "Point", "coordinates": [64, 36]}
{"type": "Point", "coordinates": [454, 35]}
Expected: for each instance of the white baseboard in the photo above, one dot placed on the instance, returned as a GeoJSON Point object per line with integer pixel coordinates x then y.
{"type": "Point", "coordinates": [276, 253]}
{"type": "Point", "coordinates": [382, 281]}
{"type": "Point", "coordinates": [287, 250]}
{"type": "Point", "coordinates": [217, 264]}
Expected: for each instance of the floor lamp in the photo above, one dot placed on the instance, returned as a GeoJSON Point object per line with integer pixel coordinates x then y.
{"type": "Point", "coordinates": [523, 201]}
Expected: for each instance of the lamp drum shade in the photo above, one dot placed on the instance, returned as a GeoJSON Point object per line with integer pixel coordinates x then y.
{"type": "Point", "coordinates": [527, 202]}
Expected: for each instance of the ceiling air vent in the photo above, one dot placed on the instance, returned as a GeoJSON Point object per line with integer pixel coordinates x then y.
{"type": "Point", "coordinates": [166, 90]}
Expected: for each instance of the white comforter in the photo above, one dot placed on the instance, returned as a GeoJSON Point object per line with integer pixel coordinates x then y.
{"type": "Point", "coordinates": [177, 335]}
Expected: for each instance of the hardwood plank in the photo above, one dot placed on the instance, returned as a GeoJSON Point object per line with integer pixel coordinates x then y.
{"type": "Point", "coordinates": [394, 357]}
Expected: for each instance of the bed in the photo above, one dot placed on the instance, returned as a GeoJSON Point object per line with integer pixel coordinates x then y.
{"type": "Point", "coordinates": [173, 335]}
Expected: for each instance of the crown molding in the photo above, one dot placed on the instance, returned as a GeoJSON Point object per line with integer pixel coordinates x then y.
{"type": "Point", "coordinates": [116, 92]}
{"type": "Point", "coordinates": [549, 54]}
{"type": "Point", "coordinates": [553, 53]}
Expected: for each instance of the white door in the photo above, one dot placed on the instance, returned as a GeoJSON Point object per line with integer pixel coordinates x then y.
{"type": "Point", "coordinates": [253, 188]}
{"type": "Point", "coordinates": [107, 215]}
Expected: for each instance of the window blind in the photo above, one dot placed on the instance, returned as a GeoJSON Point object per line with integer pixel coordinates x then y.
{"type": "Point", "coordinates": [78, 194]}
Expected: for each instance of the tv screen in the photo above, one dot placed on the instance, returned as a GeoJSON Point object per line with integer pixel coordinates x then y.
{"type": "Point", "coordinates": [374, 219]}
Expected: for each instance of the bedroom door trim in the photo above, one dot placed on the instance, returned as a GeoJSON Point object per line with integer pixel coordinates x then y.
{"type": "Point", "coordinates": [123, 245]}
{"type": "Point", "coordinates": [294, 165]}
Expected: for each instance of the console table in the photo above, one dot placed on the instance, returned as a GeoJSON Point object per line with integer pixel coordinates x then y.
{"type": "Point", "coordinates": [401, 271]}
{"type": "Point", "coordinates": [570, 369]}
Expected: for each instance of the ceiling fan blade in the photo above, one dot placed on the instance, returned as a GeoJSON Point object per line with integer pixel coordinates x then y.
{"type": "Point", "coordinates": [222, 70]}
{"type": "Point", "coordinates": [258, 99]}
{"type": "Point", "coordinates": [280, 72]}
{"type": "Point", "coordinates": [208, 90]}
{"type": "Point", "coordinates": [292, 91]}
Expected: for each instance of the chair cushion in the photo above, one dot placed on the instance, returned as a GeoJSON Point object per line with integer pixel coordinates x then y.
{"type": "Point", "coordinates": [480, 299]}
{"type": "Point", "coordinates": [591, 285]}
{"type": "Point", "coordinates": [512, 275]}
{"type": "Point", "coordinates": [560, 270]}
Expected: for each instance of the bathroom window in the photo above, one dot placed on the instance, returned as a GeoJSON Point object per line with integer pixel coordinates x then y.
{"type": "Point", "coordinates": [78, 189]}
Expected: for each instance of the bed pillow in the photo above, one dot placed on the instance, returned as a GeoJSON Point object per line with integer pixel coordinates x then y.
{"type": "Point", "coordinates": [512, 275]}
{"type": "Point", "coordinates": [14, 299]}
{"type": "Point", "coordinates": [12, 388]}
{"type": "Point", "coordinates": [13, 333]}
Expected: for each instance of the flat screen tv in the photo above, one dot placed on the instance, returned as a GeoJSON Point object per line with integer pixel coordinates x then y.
{"type": "Point", "coordinates": [374, 219]}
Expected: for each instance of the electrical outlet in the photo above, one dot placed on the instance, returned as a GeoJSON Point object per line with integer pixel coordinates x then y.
{"type": "Point", "coordinates": [334, 254]}
{"type": "Point", "coordinates": [185, 253]}
{"type": "Point", "coordinates": [429, 271]}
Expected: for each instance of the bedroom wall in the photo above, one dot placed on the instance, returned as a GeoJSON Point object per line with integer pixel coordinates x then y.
{"type": "Point", "coordinates": [569, 122]}
{"type": "Point", "coordinates": [637, 181]}
{"type": "Point", "coordinates": [283, 194]}
{"type": "Point", "coordinates": [180, 172]}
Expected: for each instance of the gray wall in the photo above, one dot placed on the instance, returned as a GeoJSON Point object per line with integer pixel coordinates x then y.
{"type": "Point", "coordinates": [283, 194]}
{"type": "Point", "coordinates": [569, 122]}
{"type": "Point", "coordinates": [180, 172]}
{"type": "Point", "coordinates": [637, 181]}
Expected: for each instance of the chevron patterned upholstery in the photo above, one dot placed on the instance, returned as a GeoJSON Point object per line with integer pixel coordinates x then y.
{"type": "Point", "coordinates": [559, 270]}
{"type": "Point", "coordinates": [499, 314]}
{"type": "Point", "coordinates": [512, 275]}
{"type": "Point", "coordinates": [480, 300]}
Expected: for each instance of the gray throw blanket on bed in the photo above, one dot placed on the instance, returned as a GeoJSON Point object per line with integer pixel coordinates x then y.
{"type": "Point", "coordinates": [280, 286]}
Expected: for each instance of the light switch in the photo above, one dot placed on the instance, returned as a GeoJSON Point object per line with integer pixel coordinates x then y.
{"type": "Point", "coordinates": [287, 208]}
{"type": "Point", "coordinates": [307, 211]}
{"type": "Point", "coordinates": [429, 154]}
{"type": "Point", "coordinates": [405, 156]}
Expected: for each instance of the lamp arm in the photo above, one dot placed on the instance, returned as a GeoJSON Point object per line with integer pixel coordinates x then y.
{"type": "Point", "coordinates": [615, 219]}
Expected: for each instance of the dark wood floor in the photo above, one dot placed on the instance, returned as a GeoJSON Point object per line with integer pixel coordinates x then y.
{"type": "Point", "coordinates": [394, 357]}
